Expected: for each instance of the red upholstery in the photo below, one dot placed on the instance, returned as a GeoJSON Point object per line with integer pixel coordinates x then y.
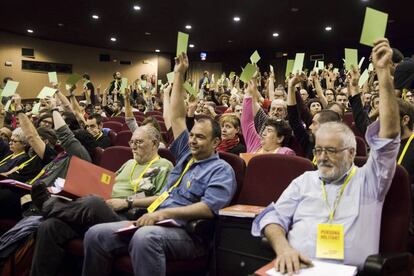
{"type": "Point", "coordinates": [125, 127]}
{"type": "Point", "coordinates": [296, 147]}
{"type": "Point", "coordinates": [97, 155]}
{"type": "Point", "coordinates": [395, 212]}
{"type": "Point", "coordinates": [361, 146]}
{"type": "Point", "coordinates": [123, 137]}
{"type": "Point", "coordinates": [166, 153]}
{"type": "Point", "coordinates": [112, 137]}
{"type": "Point", "coordinates": [153, 112]}
{"type": "Point", "coordinates": [139, 118]}
{"type": "Point", "coordinates": [239, 167]}
{"type": "Point", "coordinates": [157, 117]}
{"type": "Point", "coordinates": [348, 118]}
{"type": "Point", "coordinates": [138, 113]}
{"type": "Point", "coordinates": [114, 126]}
{"type": "Point", "coordinates": [357, 132]}
{"type": "Point", "coordinates": [220, 109]}
{"type": "Point", "coordinates": [162, 126]}
{"type": "Point", "coordinates": [117, 119]}
{"type": "Point", "coordinates": [268, 175]}
{"type": "Point", "coordinates": [114, 157]}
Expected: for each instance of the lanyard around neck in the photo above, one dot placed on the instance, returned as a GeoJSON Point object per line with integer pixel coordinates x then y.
{"type": "Point", "coordinates": [405, 149]}
{"type": "Point", "coordinates": [99, 136]}
{"type": "Point", "coordinates": [11, 156]}
{"type": "Point", "coordinates": [135, 186]}
{"type": "Point", "coordinates": [181, 176]}
{"type": "Point", "coordinates": [338, 196]}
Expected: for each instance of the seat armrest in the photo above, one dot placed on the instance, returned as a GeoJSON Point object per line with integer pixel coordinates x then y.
{"type": "Point", "coordinates": [387, 264]}
{"type": "Point", "coordinates": [203, 228]}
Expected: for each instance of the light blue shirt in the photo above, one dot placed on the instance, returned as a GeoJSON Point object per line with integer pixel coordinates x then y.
{"type": "Point", "coordinates": [301, 207]}
{"type": "Point", "coordinates": [211, 181]}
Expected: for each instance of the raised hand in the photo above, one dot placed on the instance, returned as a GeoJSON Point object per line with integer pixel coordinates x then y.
{"type": "Point", "coordinates": [251, 88]}
{"type": "Point", "coordinates": [381, 54]}
{"type": "Point", "coordinates": [181, 64]}
{"type": "Point", "coordinates": [297, 79]}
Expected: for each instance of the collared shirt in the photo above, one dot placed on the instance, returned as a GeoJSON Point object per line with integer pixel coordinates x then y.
{"type": "Point", "coordinates": [211, 181]}
{"type": "Point", "coordinates": [301, 207]}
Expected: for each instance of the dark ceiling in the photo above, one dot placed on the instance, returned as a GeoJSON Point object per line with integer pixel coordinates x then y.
{"type": "Point", "coordinates": [212, 23]}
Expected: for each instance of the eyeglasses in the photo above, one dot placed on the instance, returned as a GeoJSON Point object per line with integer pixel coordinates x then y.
{"type": "Point", "coordinates": [47, 122]}
{"type": "Point", "coordinates": [136, 143]}
{"type": "Point", "coordinates": [15, 141]}
{"type": "Point", "coordinates": [329, 151]}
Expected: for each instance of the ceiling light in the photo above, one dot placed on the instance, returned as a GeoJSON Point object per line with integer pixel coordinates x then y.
{"type": "Point", "coordinates": [191, 45]}
{"type": "Point", "coordinates": [113, 39]}
{"type": "Point", "coordinates": [328, 28]}
{"type": "Point", "coordinates": [137, 8]}
{"type": "Point", "coordinates": [95, 16]}
{"type": "Point", "coordinates": [147, 33]}
{"type": "Point", "coordinates": [236, 19]}
{"type": "Point", "coordinates": [285, 54]}
{"type": "Point", "coordinates": [61, 24]}
{"type": "Point", "coordinates": [157, 51]}
{"type": "Point", "coordinates": [188, 27]}
{"type": "Point", "coordinates": [30, 31]}
{"type": "Point", "coordinates": [229, 41]}
{"type": "Point", "coordinates": [275, 34]}
{"type": "Point", "coordinates": [294, 9]}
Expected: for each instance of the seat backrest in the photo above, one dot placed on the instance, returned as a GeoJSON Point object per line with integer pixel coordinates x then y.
{"type": "Point", "coordinates": [395, 212]}
{"type": "Point", "coordinates": [123, 137]}
{"type": "Point", "coordinates": [114, 157]}
{"type": "Point", "coordinates": [268, 175]}
{"type": "Point", "coordinates": [153, 112]}
{"type": "Point", "coordinates": [167, 154]}
{"type": "Point", "coordinates": [139, 118]}
{"type": "Point", "coordinates": [112, 137]}
{"type": "Point", "coordinates": [239, 167]}
{"type": "Point", "coordinates": [361, 146]}
{"type": "Point", "coordinates": [114, 126]}
{"type": "Point", "coordinates": [356, 131]}
{"type": "Point", "coordinates": [138, 113]}
{"type": "Point", "coordinates": [348, 118]}
{"type": "Point", "coordinates": [97, 155]}
{"type": "Point", "coordinates": [117, 119]}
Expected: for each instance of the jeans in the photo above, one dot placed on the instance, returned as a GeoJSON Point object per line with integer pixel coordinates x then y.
{"type": "Point", "coordinates": [149, 247]}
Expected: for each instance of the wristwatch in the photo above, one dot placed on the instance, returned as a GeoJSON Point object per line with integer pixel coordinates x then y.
{"type": "Point", "coordinates": [130, 201]}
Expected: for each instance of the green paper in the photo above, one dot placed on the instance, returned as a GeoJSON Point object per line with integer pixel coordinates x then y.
{"type": "Point", "coordinates": [232, 74]}
{"type": "Point", "coordinates": [375, 25]}
{"type": "Point", "coordinates": [73, 79]}
{"type": "Point", "coordinates": [170, 77]}
{"type": "Point", "coordinates": [298, 64]}
{"type": "Point", "coordinates": [35, 109]}
{"type": "Point", "coordinates": [371, 67]}
{"type": "Point", "coordinates": [52, 77]}
{"type": "Point", "coordinates": [361, 62]}
{"type": "Point", "coordinates": [46, 92]}
{"type": "Point", "coordinates": [271, 69]}
{"type": "Point", "coordinates": [321, 65]}
{"type": "Point", "coordinates": [143, 84]}
{"type": "Point", "coordinates": [255, 57]}
{"type": "Point", "coordinates": [159, 82]}
{"type": "Point", "coordinates": [363, 79]}
{"type": "Point", "coordinates": [289, 66]}
{"type": "Point", "coordinates": [10, 88]}
{"type": "Point", "coordinates": [187, 86]}
{"type": "Point", "coordinates": [182, 43]}
{"type": "Point", "coordinates": [248, 72]}
{"type": "Point", "coordinates": [124, 84]}
{"type": "Point", "coordinates": [351, 58]}
{"type": "Point", "coordinates": [336, 70]}
{"type": "Point", "coordinates": [7, 106]}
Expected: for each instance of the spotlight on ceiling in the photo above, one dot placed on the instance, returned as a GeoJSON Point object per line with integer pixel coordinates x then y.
{"type": "Point", "coordinates": [95, 16]}
{"type": "Point", "coordinates": [30, 31]}
{"type": "Point", "coordinates": [113, 39]}
{"type": "Point", "coordinates": [137, 8]}
{"type": "Point", "coordinates": [328, 28]}
{"type": "Point", "coordinates": [236, 19]}
{"type": "Point", "coordinates": [275, 34]}
{"type": "Point", "coordinates": [191, 45]}
{"type": "Point", "coordinates": [188, 27]}
{"type": "Point", "coordinates": [157, 51]}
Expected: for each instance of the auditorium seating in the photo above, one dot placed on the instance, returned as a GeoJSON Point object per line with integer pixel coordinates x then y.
{"type": "Point", "coordinates": [117, 119]}
{"type": "Point", "coordinates": [239, 167]}
{"type": "Point", "coordinates": [113, 157]}
{"type": "Point", "coordinates": [153, 112]}
{"type": "Point", "coordinates": [122, 138]}
{"type": "Point", "coordinates": [361, 146]}
{"type": "Point", "coordinates": [113, 125]}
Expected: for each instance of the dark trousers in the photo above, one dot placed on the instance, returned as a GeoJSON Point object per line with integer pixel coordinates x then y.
{"type": "Point", "coordinates": [10, 202]}
{"type": "Point", "coordinates": [64, 221]}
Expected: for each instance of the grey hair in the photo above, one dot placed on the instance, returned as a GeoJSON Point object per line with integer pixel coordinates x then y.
{"type": "Point", "coordinates": [18, 132]}
{"type": "Point", "coordinates": [152, 132]}
{"type": "Point", "coordinates": [279, 101]}
{"type": "Point", "coordinates": [342, 130]}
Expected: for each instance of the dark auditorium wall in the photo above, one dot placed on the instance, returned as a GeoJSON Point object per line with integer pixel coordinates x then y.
{"type": "Point", "coordinates": [84, 59]}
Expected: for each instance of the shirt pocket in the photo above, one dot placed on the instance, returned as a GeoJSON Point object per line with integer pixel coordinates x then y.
{"type": "Point", "coordinates": [192, 192]}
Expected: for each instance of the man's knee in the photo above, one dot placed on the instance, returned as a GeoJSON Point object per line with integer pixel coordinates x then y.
{"type": "Point", "coordinates": [146, 237]}
{"type": "Point", "coordinates": [93, 202]}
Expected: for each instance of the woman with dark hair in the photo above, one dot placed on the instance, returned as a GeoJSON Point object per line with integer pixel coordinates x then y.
{"type": "Point", "coordinates": [275, 136]}
{"type": "Point", "coordinates": [314, 106]}
{"type": "Point", "coordinates": [45, 120]}
{"type": "Point", "coordinates": [230, 131]}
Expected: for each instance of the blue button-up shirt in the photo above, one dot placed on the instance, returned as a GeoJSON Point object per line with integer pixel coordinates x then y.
{"type": "Point", "coordinates": [301, 207]}
{"type": "Point", "coordinates": [211, 180]}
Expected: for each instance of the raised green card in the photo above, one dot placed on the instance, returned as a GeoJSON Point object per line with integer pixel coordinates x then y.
{"type": "Point", "coordinates": [336, 70]}
{"type": "Point", "coordinates": [255, 57]}
{"type": "Point", "coordinates": [73, 79]}
{"type": "Point", "coordinates": [170, 77]}
{"type": "Point", "coordinates": [232, 74]}
{"type": "Point", "coordinates": [375, 25]}
{"type": "Point", "coordinates": [7, 106]}
{"type": "Point", "coordinates": [321, 65]}
{"type": "Point", "coordinates": [351, 58]}
{"type": "Point", "coordinates": [363, 79]}
{"type": "Point", "coordinates": [46, 92]}
{"type": "Point", "coordinates": [52, 77]}
{"type": "Point", "coordinates": [187, 86]}
{"type": "Point", "coordinates": [298, 64]}
{"type": "Point", "coordinates": [371, 67]}
{"type": "Point", "coordinates": [35, 109]}
{"type": "Point", "coordinates": [182, 43]}
{"type": "Point", "coordinates": [10, 88]}
{"type": "Point", "coordinates": [272, 70]}
{"type": "Point", "coordinates": [159, 82]}
{"type": "Point", "coordinates": [248, 72]}
{"type": "Point", "coordinates": [289, 66]}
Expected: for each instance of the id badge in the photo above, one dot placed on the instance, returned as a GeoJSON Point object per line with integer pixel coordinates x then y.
{"type": "Point", "coordinates": [330, 241]}
{"type": "Point", "coordinates": [158, 202]}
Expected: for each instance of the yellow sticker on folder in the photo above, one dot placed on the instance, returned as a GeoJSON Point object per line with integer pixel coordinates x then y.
{"type": "Point", "coordinates": [330, 241]}
{"type": "Point", "coordinates": [106, 179]}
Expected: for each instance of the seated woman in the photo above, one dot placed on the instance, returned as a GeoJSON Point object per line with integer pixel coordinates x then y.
{"type": "Point", "coordinates": [314, 106]}
{"type": "Point", "coordinates": [18, 155]}
{"type": "Point", "coordinates": [230, 131]}
{"type": "Point", "coordinates": [275, 136]}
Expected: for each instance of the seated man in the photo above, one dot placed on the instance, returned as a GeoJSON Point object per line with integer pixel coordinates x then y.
{"type": "Point", "coordinates": [94, 126]}
{"type": "Point", "coordinates": [338, 197]}
{"type": "Point", "coordinates": [145, 175]}
{"type": "Point", "coordinates": [198, 186]}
